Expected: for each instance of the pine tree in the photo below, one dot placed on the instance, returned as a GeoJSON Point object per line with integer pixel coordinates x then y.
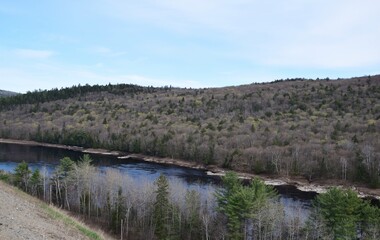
{"type": "Point", "coordinates": [370, 221]}
{"type": "Point", "coordinates": [341, 210]}
{"type": "Point", "coordinates": [22, 176]}
{"type": "Point", "coordinates": [240, 203]}
{"type": "Point", "coordinates": [36, 183]}
{"type": "Point", "coordinates": [161, 208]}
{"type": "Point", "coordinates": [193, 206]}
{"type": "Point", "coordinates": [65, 166]}
{"type": "Point", "coordinates": [60, 179]}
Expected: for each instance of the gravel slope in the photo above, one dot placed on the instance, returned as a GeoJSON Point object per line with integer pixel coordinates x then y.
{"type": "Point", "coordinates": [22, 217]}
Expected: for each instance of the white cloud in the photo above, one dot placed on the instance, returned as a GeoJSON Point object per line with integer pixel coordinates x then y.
{"type": "Point", "coordinates": [216, 42]}
{"type": "Point", "coordinates": [21, 80]}
{"type": "Point", "coordinates": [315, 34]}
{"type": "Point", "coordinates": [33, 54]}
{"type": "Point", "coordinates": [341, 36]}
{"type": "Point", "coordinates": [45, 76]}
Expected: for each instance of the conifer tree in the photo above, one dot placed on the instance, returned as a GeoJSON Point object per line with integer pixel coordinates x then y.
{"type": "Point", "coordinates": [161, 208]}
{"type": "Point", "coordinates": [36, 183]}
{"type": "Point", "coordinates": [341, 210]}
{"type": "Point", "coordinates": [193, 206]}
{"type": "Point", "coordinates": [240, 203]}
{"type": "Point", "coordinates": [22, 176]}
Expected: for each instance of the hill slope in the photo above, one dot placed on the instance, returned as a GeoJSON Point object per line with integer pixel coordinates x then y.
{"type": "Point", "coordinates": [24, 217]}
{"type": "Point", "coordinates": [313, 128]}
{"type": "Point", "coordinates": [4, 93]}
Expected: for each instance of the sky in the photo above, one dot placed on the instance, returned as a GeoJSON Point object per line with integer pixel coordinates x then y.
{"type": "Point", "coordinates": [184, 43]}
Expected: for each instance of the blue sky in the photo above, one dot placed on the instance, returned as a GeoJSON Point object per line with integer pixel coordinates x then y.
{"type": "Point", "coordinates": [189, 43]}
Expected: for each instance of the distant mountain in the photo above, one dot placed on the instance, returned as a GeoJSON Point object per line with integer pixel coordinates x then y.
{"type": "Point", "coordinates": [319, 129]}
{"type": "Point", "coordinates": [4, 93]}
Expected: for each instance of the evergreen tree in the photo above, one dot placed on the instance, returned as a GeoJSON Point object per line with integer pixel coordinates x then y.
{"type": "Point", "coordinates": [36, 183]}
{"type": "Point", "coordinates": [240, 203]}
{"type": "Point", "coordinates": [22, 176]}
{"type": "Point", "coordinates": [61, 179]}
{"type": "Point", "coordinates": [161, 208]}
{"type": "Point", "coordinates": [193, 206]}
{"type": "Point", "coordinates": [117, 211]}
{"type": "Point", "coordinates": [65, 166]}
{"type": "Point", "coordinates": [370, 224]}
{"type": "Point", "coordinates": [342, 212]}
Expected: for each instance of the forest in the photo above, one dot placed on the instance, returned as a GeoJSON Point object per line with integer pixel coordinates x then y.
{"type": "Point", "coordinates": [315, 129]}
{"type": "Point", "coordinates": [166, 209]}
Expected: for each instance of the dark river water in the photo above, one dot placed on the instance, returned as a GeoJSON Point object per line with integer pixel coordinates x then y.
{"type": "Point", "coordinates": [294, 201]}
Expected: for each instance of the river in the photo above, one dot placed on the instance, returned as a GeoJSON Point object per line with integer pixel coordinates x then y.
{"type": "Point", "coordinates": [293, 200]}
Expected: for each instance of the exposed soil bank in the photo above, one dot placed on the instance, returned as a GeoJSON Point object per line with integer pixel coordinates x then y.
{"type": "Point", "coordinates": [23, 217]}
{"type": "Point", "coordinates": [301, 183]}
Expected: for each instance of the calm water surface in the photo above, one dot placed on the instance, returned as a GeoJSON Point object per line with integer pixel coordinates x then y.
{"type": "Point", "coordinates": [294, 201]}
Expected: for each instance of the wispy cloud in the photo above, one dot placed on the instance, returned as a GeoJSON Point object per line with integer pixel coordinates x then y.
{"type": "Point", "coordinates": [46, 76]}
{"type": "Point", "coordinates": [188, 43]}
{"type": "Point", "coordinates": [316, 34]}
{"type": "Point", "coordinates": [33, 54]}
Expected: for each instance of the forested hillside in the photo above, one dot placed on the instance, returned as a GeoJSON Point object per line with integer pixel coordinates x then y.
{"type": "Point", "coordinates": [319, 129]}
{"type": "Point", "coordinates": [4, 93]}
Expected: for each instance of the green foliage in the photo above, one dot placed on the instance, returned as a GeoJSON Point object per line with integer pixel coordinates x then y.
{"type": "Point", "coordinates": [193, 206]}
{"type": "Point", "coordinates": [240, 203]}
{"type": "Point", "coordinates": [342, 211]}
{"type": "Point", "coordinates": [86, 160]}
{"type": "Point", "coordinates": [268, 114]}
{"type": "Point", "coordinates": [5, 176]}
{"type": "Point", "coordinates": [79, 138]}
{"type": "Point", "coordinates": [65, 166]}
{"type": "Point", "coordinates": [65, 93]}
{"type": "Point", "coordinates": [370, 221]}
{"type": "Point", "coordinates": [161, 208]}
{"type": "Point", "coordinates": [361, 173]}
{"type": "Point", "coordinates": [22, 176]}
{"type": "Point", "coordinates": [36, 183]}
{"type": "Point", "coordinates": [117, 211]}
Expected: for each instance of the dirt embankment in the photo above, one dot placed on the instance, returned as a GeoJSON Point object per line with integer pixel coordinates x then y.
{"type": "Point", "coordinates": [299, 182]}
{"type": "Point", "coordinates": [24, 217]}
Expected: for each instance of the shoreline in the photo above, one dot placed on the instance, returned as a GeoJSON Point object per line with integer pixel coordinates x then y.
{"type": "Point", "coordinates": [211, 170]}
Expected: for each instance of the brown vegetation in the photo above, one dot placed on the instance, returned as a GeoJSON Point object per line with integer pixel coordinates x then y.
{"type": "Point", "coordinates": [319, 129]}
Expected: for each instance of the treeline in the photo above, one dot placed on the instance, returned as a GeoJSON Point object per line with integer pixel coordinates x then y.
{"type": "Point", "coordinates": [315, 129]}
{"type": "Point", "coordinates": [41, 96]}
{"type": "Point", "coordinates": [168, 210]}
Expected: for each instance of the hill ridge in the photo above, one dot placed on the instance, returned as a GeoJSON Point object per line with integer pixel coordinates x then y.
{"type": "Point", "coordinates": [321, 129]}
{"type": "Point", "coordinates": [4, 93]}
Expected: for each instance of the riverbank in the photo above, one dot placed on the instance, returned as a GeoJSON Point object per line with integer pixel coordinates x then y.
{"type": "Point", "coordinates": [319, 186]}
{"type": "Point", "coordinates": [25, 217]}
